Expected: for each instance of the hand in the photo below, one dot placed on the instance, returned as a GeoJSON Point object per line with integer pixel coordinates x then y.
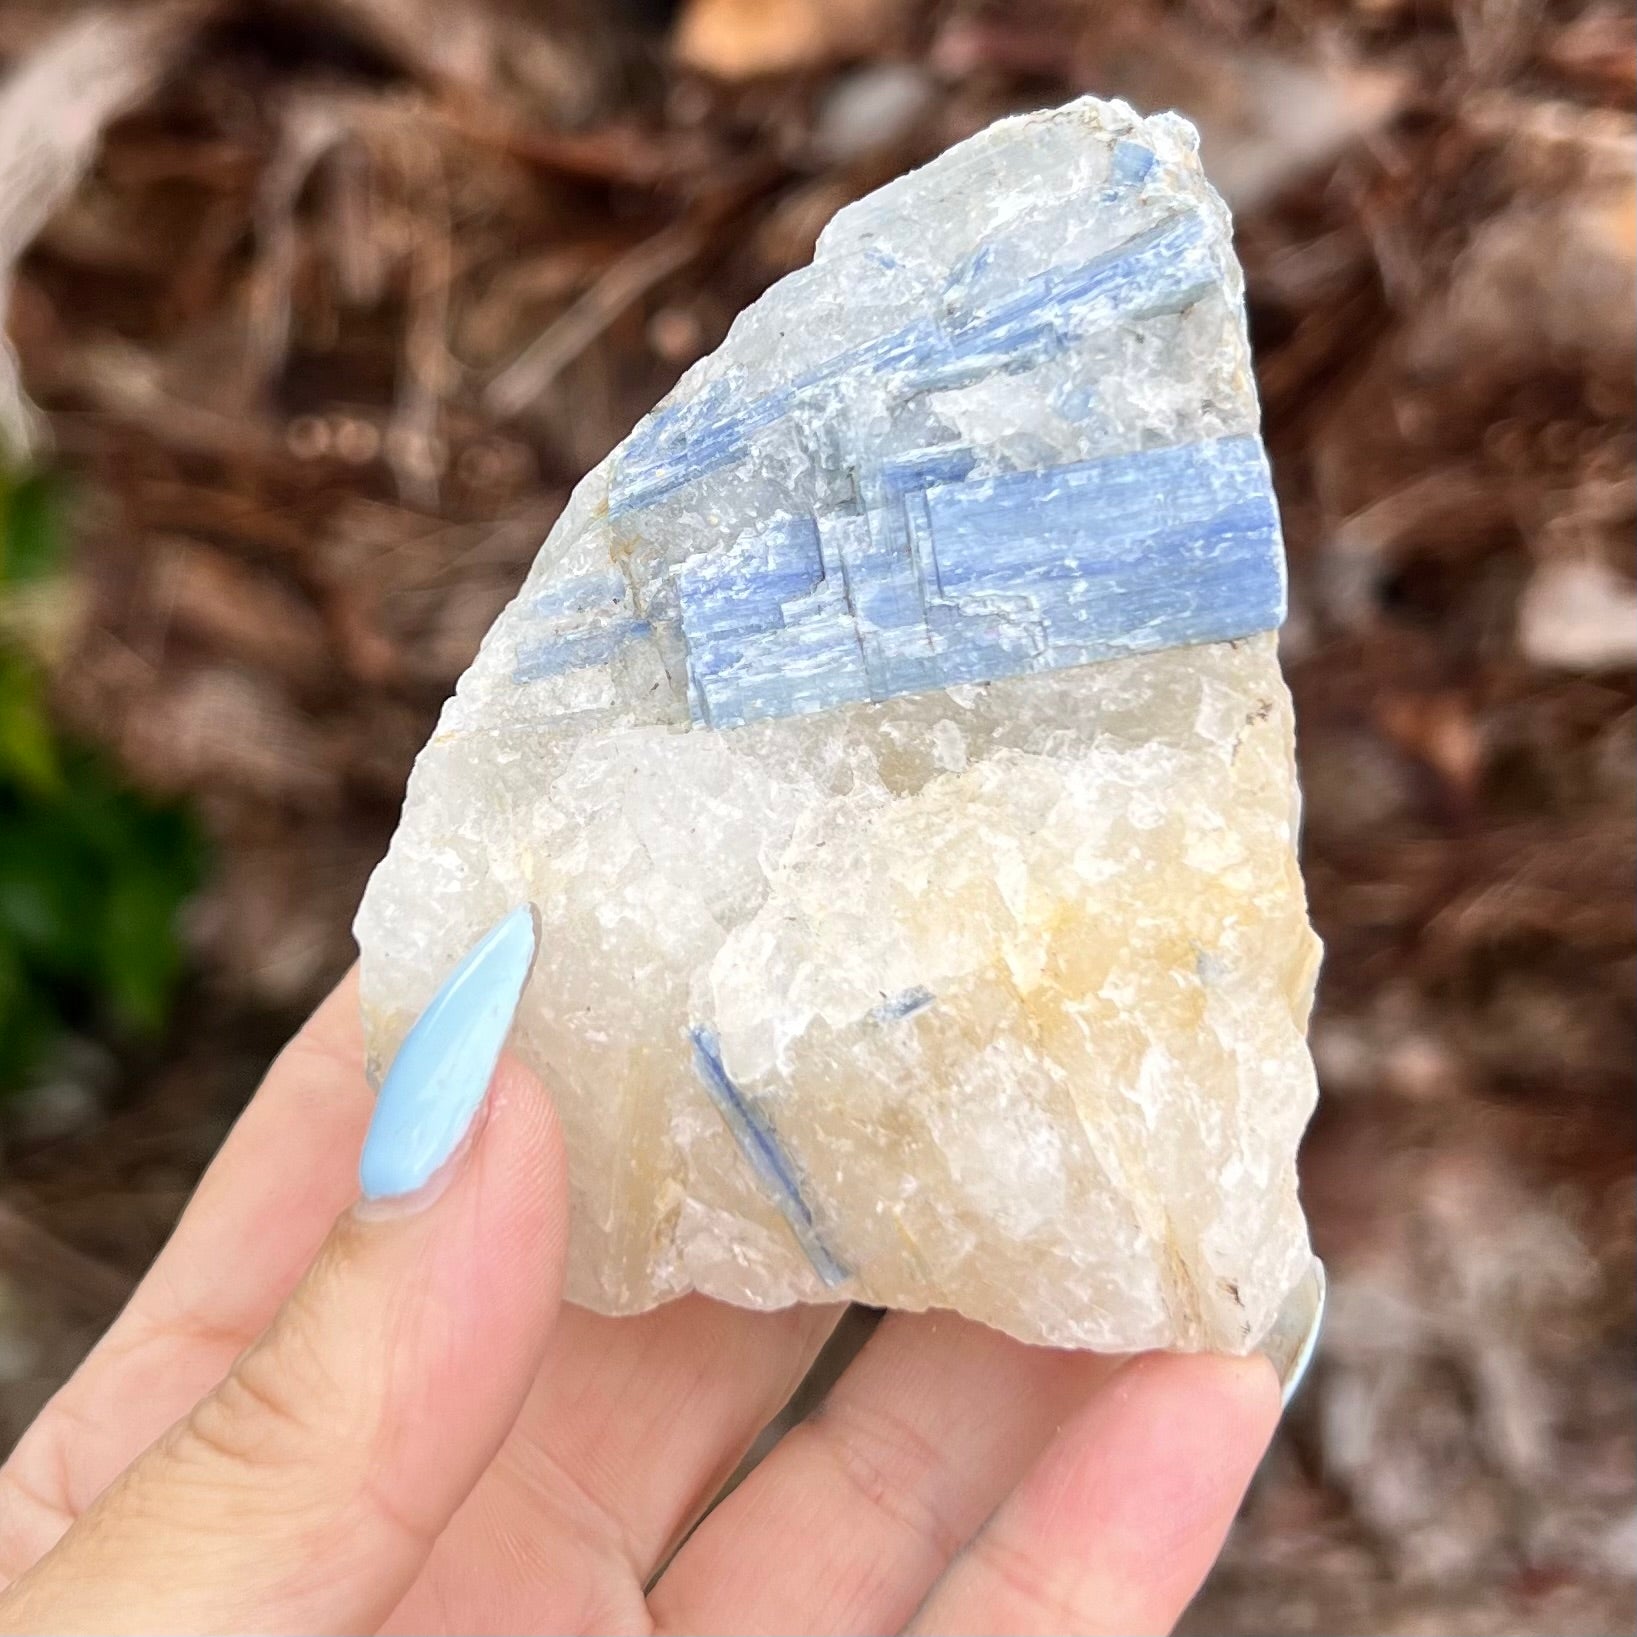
{"type": "Point", "coordinates": [327, 1422]}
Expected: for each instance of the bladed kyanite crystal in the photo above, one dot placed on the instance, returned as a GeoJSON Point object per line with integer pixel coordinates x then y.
{"type": "Point", "coordinates": [891, 736]}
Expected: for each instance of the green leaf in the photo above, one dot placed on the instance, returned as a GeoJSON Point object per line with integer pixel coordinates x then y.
{"type": "Point", "coordinates": [142, 958]}
{"type": "Point", "coordinates": [28, 1022]}
{"type": "Point", "coordinates": [28, 746]}
{"type": "Point", "coordinates": [33, 535]}
{"type": "Point", "coordinates": [49, 890]}
{"type": "Point", "coordinates": [93, 874]}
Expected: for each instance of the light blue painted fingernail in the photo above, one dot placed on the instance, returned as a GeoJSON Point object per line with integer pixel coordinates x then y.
{"type": "Point", "coordinates": [1291, 1343]}
{"type": "Point", "coordinates": [438, 1079]}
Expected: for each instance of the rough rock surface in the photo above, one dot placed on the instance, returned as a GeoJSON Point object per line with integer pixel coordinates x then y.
{"type": "Point", "coordinates": [892, 737]}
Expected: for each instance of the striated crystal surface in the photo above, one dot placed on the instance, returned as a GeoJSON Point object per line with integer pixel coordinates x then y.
{"type": "Point", "coordinates": [891, 735]}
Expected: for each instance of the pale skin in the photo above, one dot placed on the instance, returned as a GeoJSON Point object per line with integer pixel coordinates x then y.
{"type": "Point", "coordinates": [322, 1417]}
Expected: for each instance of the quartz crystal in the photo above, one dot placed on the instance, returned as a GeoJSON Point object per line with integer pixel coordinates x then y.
{"type": "Point", "coordinates": [891, 736]}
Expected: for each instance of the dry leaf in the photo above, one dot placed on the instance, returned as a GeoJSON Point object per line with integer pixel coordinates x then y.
{"type": "Point", "coordinates": [738, 39]}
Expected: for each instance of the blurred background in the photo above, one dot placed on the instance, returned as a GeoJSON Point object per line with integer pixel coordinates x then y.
{"type": "Point", "coordinates": [317, 309]}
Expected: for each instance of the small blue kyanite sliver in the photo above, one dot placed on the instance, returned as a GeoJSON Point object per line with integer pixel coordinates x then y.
{"type": "Point", "coordinates": [774, 1168]}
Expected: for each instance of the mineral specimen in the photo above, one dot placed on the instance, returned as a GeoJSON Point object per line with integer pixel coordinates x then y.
{"type": "Point", "coordinates": [891, 736]}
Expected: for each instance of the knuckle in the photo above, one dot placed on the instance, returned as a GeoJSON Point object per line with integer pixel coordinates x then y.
{"type": "Point", "coordinates": [280, 1403]}
{"type": "Point", "coordinates": [1030, 1589]}
{"type": "Point", "coordinates": [398, 1516]}
{"type": "Point", "coordinates": [281, 1427]}
{"type": "Point", "coordinates": [253, 1418]}
{"type": "Point", "coordinates": [33, 1516]}
{"type": "Point", "coordinates": [891, 1465]}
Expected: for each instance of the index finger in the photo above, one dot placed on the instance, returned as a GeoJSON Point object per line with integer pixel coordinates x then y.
{"type": "Point", "coordinates": [288, 1168]}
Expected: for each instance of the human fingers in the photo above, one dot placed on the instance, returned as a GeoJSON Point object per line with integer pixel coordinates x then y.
{"type": "Point", "coordinates": [1115, 1526]}
{"type": "Point", "coordinates": [305, 1491]}
{"type": "Point", "coordinates": [630, 1431]}
{"type": "Point", "coordinates": [856, 1513]}
{"type": "Point", "coordinates": [268, 1199]}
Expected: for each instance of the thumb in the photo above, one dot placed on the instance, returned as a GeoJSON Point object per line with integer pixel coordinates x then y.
{"type": "Point", "coordinates": [306, 1490]}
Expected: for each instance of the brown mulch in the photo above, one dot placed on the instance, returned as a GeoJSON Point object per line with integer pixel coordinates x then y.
{"type": "Point", "coordinates": [345, 304]}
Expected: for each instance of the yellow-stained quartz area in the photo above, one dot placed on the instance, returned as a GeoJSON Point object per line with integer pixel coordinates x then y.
{"type": "Point", "coordinates": [1018, 977]}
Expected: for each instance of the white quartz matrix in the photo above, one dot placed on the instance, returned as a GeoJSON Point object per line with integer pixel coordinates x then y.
{"type": "Point", "coordinates": [891, 736]}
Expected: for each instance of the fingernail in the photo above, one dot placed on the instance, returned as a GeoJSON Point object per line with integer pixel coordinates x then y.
{"type": "Point", "coordinates": [438, 1079]}
{"type": "Point", "coordinates": [1291, 1342]}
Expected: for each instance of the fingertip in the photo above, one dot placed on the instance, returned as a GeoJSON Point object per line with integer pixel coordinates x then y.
{"type": "Point", "coordinates": [1155, 1467]}
{"type": "Point", "coordinates": [1167, 1464]}
{"type": "Point", "coordinates": [1239, 1396]}
{"type": "Point", "coordinates": [522, 1102]}
{"type": "Point", "coordinates": [524, 1161]}
{"type": "Point", "coordinates": [1116, 1525]}
{"type": "Point", "coordinates": [1193, 1412]}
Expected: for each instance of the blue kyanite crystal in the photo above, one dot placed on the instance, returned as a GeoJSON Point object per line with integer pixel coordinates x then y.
{"type": "Point", "coordinates": [1159, 270]}
{"type": "Point", "coordinates": [969, 581]}
{"type": "Point", "coordinates": [833, 534]}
